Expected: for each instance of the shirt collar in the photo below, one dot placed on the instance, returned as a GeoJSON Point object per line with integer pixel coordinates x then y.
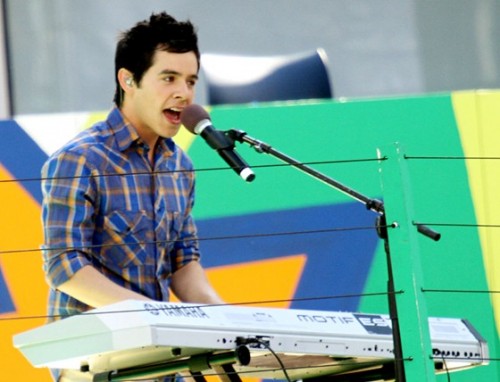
{"type": "Point", "coordinates": [126, 135]}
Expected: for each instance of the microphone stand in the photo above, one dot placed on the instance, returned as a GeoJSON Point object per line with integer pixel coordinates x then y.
{"type": "Point", "coordinates": [381, 227]}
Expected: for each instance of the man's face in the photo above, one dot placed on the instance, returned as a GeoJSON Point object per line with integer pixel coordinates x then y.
{"type": "Point", "coordinates": [153, 106]}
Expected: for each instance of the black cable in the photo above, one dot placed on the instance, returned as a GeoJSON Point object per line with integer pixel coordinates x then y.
{"type": "Point", "coordinates": [282, 366]}
{"type": "Point", "coordinates": [258, 341]}
{"type": "Point", "coordinates": [450, 157]}
{"type": "Point", "coordinates": [249, 236]}
{"type": "Point", "coordinates": [240, 303]}
{"type": "Point", "coordinates": [459, 291]}
{"type": "Point", "coordinates": [446, 368]}
{"type": "Point", "coordinates": [340, 161]}
{"type": "Point", "coordinates": [461, 225]}
{"type": "Point", "coordinates": [149, 173]}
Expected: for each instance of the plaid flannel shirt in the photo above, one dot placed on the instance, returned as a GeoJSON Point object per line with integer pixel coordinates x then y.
{"type": "Point", "coordinates": [105, 205]}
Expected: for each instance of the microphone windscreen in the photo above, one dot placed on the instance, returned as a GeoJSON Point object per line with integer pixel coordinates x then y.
{"type": "Point", "coordinates": [192, 115]}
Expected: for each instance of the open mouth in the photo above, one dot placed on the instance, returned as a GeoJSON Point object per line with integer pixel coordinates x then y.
{"type": "Point", "coordinates": [173, 115]}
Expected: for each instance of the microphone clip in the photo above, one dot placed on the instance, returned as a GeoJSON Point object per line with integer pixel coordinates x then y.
{"type": "Point", "coordinates": [217, 139]}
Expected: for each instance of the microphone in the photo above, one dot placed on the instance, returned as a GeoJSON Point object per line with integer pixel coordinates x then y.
{"type": "Point", "coordinates": [198, 122]}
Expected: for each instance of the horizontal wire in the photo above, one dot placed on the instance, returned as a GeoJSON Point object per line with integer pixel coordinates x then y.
{"type": "Point", "coordinates": [241, 303]}
{"type": "Point", "coordinates": [464, 225]}
{"type": "Point", "coordinates": [149, 173]}
{"type": "Point", "coordinates": [459, 291]}
{"type": "Point", "coordinates": [260, 302]}
{"type": "Point", "coordinates": [339, 161]}
{"type": "Point", "coordinates": [435, 157]}
{"type": "Point", "coordinates": [234, 237]}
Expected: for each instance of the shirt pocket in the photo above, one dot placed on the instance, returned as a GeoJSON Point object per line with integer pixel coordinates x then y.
{"type": "Point", "coordinates": [127, 236]}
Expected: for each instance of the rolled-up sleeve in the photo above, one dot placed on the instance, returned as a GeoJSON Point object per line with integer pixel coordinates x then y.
{"type": "Point", "coordinates": [187, 248]}
{"type": "Point", "coordinates": [67, 211]}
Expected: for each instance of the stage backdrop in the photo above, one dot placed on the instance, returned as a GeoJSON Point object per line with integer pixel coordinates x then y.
{"type": "Point", "coordinates": [287, 239]}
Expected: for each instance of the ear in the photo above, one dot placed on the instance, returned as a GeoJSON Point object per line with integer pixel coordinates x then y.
{"type": "Point", "coordinates": [126, 79]}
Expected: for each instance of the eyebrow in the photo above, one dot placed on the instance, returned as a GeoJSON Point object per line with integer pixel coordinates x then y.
{"type": "Point", "coordinates": [176, 73]}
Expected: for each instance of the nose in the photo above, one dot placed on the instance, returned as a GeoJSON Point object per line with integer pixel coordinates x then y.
{"type": "Point", "coordinates": [184, 91]}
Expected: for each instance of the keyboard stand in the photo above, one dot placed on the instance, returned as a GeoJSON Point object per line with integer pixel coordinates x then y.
{"type": "Point", "coordinates": [194, 364]}
{"type": "Point", "coordinates": [226, 373]}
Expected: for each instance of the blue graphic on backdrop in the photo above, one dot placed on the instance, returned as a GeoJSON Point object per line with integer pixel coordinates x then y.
{"type": "Point", "coordinates": [22, 157]}
{"type": "Point", "coordinates": [337, 264]}
{"type": "Point", "coordinates": [6, 303]}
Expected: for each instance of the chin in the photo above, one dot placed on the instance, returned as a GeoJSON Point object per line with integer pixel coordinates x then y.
{"type": "Point", "coordinates": [170, 132]}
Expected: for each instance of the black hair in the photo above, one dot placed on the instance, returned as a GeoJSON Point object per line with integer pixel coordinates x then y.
{"type": "Point", "coordinates": [136, 47]}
